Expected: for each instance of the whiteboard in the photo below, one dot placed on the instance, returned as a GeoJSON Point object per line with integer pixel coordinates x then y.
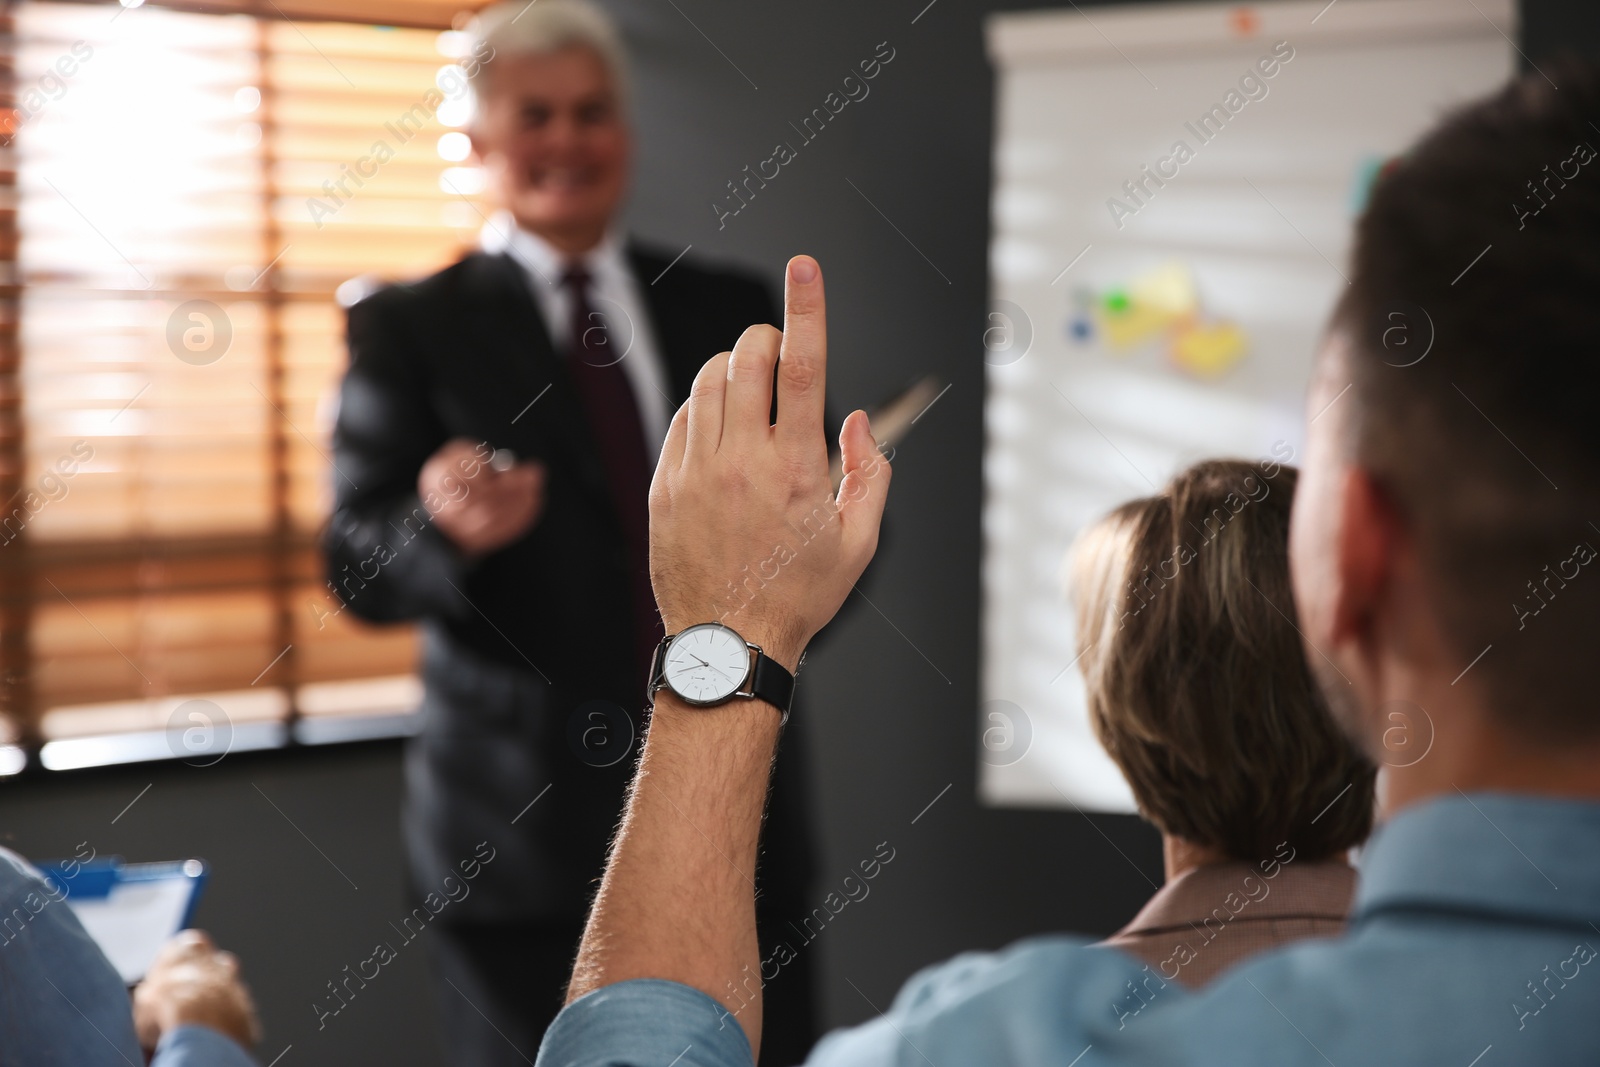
{"type": "Point", "coordinates": [1125, 343]}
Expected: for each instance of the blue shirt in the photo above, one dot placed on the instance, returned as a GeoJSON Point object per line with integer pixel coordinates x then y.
{"type": "Point", "coordinates": [61, 1001]}
{"type": "Point", "coordinates": [1473, 943]}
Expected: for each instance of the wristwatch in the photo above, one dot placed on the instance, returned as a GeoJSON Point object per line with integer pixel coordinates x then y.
{"type": "Point", "coordinates": [711, 664]}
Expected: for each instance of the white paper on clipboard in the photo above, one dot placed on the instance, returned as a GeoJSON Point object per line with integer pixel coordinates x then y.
{"type": "Point", "coordinates": [131, 910]}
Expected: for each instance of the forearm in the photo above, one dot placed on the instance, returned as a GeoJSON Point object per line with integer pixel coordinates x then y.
{"type": "Point", "coordinates": [678, 898]}
{"type": "Point", "coordinates": [388, 562]}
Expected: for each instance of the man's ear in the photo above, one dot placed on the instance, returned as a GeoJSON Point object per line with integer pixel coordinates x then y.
{"type": "Point", "coordinates": [1366, 546]}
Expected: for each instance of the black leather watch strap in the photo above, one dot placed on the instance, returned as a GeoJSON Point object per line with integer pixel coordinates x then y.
{"type": "Point", "coordinates": [771, 681]}
{"type": "Point", "coordinates": [658, 668]}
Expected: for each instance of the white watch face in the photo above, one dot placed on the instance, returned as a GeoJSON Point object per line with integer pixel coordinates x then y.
{"type": "Point", "coordinates": [706, 663]}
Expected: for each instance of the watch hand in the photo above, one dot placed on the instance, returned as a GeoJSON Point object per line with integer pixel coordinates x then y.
{"type": "Point", "coordinates": [708, 666]}
{"type": "Point", "coordinates": [703, 663]}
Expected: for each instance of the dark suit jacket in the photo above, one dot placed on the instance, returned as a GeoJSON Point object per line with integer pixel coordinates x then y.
{"type": "Point", "coordinates": [527, 662]}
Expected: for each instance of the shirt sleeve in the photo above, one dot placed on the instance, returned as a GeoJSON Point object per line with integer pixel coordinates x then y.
{"type": "Point", "coordinates": [199, 1046]}
{"type": "Point", "coordinates": [386, 559]}
{"type": "Point", "coordinates": [645, 1022]}
{"type": "Point", "coordinates": [1044, 1000]}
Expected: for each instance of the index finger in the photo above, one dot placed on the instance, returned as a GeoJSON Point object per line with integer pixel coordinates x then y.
{"type": "Point", "coordinates": [802, 358]}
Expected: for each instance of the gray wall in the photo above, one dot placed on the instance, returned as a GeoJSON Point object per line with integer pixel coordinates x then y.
{"type": "Point", "coordinates": [892, 693]}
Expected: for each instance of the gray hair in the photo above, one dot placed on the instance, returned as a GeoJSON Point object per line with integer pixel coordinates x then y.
{"type": "Point", "coordinates": [523, 28]}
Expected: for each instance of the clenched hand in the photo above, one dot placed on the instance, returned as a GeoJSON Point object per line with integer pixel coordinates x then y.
{"type": "Point", "coordinates": [480, 509]}
{"type": "Point", "coordinates": [193, 983]}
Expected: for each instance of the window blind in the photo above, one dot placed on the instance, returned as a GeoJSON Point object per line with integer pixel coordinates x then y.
{"type": "Point", "coordinates": [193, 191]}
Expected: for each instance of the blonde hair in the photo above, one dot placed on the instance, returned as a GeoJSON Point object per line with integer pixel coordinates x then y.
{"type": "Point", "coordinates": [1198, 686]}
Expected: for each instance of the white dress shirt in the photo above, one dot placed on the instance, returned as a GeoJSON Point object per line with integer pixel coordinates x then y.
{"type": "Point", "coordinates": [614, 293]}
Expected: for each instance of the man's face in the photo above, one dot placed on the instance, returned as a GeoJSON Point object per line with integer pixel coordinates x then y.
{"type": "Point", "coordinates": [1315, 527]}
{"type": "Point", "coordinates": [551, 134]}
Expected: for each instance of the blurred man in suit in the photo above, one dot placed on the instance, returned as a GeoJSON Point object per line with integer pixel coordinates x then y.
{"type": "Point", "coordinates": [497, 431]}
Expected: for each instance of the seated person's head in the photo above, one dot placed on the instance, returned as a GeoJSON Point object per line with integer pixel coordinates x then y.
{"type": "Point", "coordinates": [1447, 520]}
{"type": "Point", "coordinates": [1197, 684]}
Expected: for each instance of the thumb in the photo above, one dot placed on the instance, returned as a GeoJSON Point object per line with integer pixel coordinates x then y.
{"type": "Point", "coordinates": [865, 488]}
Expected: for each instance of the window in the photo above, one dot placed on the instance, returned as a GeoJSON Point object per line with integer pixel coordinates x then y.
{"type": "Point", "coordinates": [195, 192]}
{"type": "Point", "coordinates": [1185, 332]}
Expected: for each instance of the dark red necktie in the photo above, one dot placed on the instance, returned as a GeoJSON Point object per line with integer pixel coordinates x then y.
{"type": "Point", "coordinates": [594, 363]}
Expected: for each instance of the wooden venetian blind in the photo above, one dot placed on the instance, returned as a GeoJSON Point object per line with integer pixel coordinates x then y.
{"type": "Point", "coordinates": [195, 191]}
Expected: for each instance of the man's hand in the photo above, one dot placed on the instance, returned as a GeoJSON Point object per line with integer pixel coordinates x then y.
{"type": "Point", "coordinates": [480, 509]}
{"type": "Point", "coordinates": [744, 524]}
{"type": "Point", "coordinates": [735, 500]}
{"type": "Point", "coordinates": [193, 983]}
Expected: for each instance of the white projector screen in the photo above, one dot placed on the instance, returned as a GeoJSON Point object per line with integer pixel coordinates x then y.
{"type": "Point", "coordinates": [1135, 328]}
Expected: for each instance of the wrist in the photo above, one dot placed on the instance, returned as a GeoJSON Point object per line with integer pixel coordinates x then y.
{"type": "Point", "coordinates": [745, 726]}
{"type": "Point", "coordinates": [708, 665]}
{"type": "Point", "coordinates": [783, 649]}
{"type": "Point", "coordinates": [781, 644]}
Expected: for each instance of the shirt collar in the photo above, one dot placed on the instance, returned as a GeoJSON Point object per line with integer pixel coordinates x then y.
{"type": "Point", "coordinates": [1494, 854]}
{"type": "Point", "coordinates": [606, 262]}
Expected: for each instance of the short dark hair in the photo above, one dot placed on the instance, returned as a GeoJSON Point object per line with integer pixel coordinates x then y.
{"type": "Point", "coordinates": [1471, 333]}
{"type": "Point", "coordinates": [1198, 685]}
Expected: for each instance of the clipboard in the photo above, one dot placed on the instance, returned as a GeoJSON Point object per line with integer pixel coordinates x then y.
{"type": "Point", "coordinates": [130, 909]}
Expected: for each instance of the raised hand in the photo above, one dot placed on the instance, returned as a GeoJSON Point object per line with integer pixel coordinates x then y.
{"type": "Point", "coordinates": [744, 525]}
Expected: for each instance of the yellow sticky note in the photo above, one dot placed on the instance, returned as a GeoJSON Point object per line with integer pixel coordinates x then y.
{"type": "Point", "coordinates": [1209, 350]}
{"type": "Point", "coordinates": [1124, 329]}
{"type": "Point", "coordinates": [1168, 289]}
